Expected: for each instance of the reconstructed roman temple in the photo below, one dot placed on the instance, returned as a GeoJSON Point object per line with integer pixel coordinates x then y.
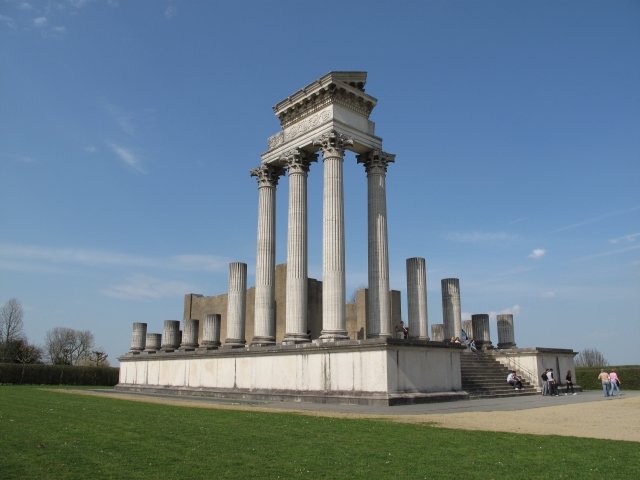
{"type": "Point", "coordinates": [291, 337]}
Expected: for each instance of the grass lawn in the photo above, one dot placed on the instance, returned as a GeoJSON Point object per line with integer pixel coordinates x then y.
{"type": "Point", "coordinates": [89, 437]}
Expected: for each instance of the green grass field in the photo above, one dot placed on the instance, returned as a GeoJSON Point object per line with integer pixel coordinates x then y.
{"type": "Point", "coordinates": [90, 437]}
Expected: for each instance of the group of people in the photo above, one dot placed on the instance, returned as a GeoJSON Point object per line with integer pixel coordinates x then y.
{"type": "Point", "coordinates": [550, 384]}
{"type": "Point", "coordinates": [609, 382]}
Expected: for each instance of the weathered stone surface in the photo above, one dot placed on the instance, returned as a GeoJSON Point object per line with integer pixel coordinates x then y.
{"type": "Point", "coordinates": [506, 338]}
{"type": "Point", "coordinates": [379, 307]}
{"type": "Point", "coordinates": [481, 333]}
{"type": "Point", "coordinates": [451, 313]}
{"type": "Point", "coordinates": [417, 298]}
{"type": "Point", "coordinates": [437, 332]}
{"type": "Point", "coordinates": [332, 145]}
{"type": "Point", "coordinates": [190, 334]}
{"type": "Point", "coordinates": [138, 337]}
{"type": "Point", "coordinates": [298, 163]}
{"type": "Point", "coordinates": [236, 304]}
{"type": "Point", "coordinates": [171, 335]}
{"type": "Point", "coordinates": [466, 326]}
{"type": "Point", "coordinates": [154, 342]}
{"type": "Point", "coordinates": [211, 330]}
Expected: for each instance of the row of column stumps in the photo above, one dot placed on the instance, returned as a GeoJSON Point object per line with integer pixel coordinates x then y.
{"type": "Point", "coordinates": [151, 342]}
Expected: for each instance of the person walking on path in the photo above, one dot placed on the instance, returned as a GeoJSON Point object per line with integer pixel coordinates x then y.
{"type": "Point", "coordinates": [569, 383]}
{"type": "Point", "coordinates": [545, 382]}
{"type": "Point", "coordinates": [604, 378]}
{"type": "Point", "coordinates": [615, 382]}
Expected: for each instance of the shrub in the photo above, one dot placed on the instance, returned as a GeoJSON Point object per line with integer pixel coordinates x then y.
{"type": "Point", "coordinates": [16, 374]}
{"type": "Point", "coordinates": [587, 377]}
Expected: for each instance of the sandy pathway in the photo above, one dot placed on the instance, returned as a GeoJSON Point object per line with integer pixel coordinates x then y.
{"type": "Point", "coordinates": [611, 419]}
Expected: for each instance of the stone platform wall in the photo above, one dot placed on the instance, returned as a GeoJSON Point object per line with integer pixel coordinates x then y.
{"type": "Point", "coordinates": [375, 372]}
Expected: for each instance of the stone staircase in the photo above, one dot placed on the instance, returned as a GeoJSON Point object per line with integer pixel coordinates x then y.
{"type": "Point", "coordinates": [485, 377]}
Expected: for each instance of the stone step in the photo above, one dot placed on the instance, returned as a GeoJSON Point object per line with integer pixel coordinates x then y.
{"type": "Point", "coordinates": [485, 377]}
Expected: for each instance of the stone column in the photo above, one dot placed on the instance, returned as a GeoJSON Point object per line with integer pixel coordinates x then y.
{"type": "Point", "coordinates": [265, 319]}
{"type": "Point", "coordinates": [466, 326]}
{"type": "Point", "coordinates": [480, 325]}
{"type": "Point", "coordinates": [437, 332]}
{"type": "Point", "coordinates": [417, 298]}
{"type": "Point", "coordinates": [211, 330]}
{"type": "Point", "coordinates": [190, 334]}
{"type": "Point", "coordinates": [236, 304]}
{"type": "Point", "coordinates": [506, 338]}
{"type": "Point", "coordinates": [139, 337]}
{"type": "Point", "coordinates": [154, 342]}
{"type": "Point", "coordinates": [451, 314]}
{"type": "Point", "coordinates": [298, 163]}
{"type": "Point", "coordinates": [379, 308]}
{"type": "Point", "coordinates": [333, 144]}
{"type": "Point", "coordinates": [171, 335]}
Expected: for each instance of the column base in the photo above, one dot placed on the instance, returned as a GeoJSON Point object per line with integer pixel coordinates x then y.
{"type": "Point", "coordinates": [426, 339]}
{"type": "Point", "coordinates": [210, 343]}
{"type": "Point", "coordinates": [484, 345]}
{"type": "Point", "coordinates": [168, 348]}
{"type": "Point", "coordinates": [380, 335]}
{"type": "Point", "coordinates": [294, 338]}
{"type": "Point", "coordinates": [263, 341]}
{"type": "Point", "coordinates": [235, 342]}
{"type": "Point", "coordinates": [507, 345]}
{"type": "Point", "coordinates": [333, 335]}
{"type": "Point", "coordinates": [187, 348]}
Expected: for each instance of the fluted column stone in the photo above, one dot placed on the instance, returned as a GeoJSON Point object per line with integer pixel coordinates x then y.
{"type": "Point", "coordinates": [506, 337]}
{"type": "Point", "coordinates": [297, 163]}
{"type": "Point", "coordinates": [190, 334]}
{"type": "Point", "coordinates": [466, 326]}
{"type": "Point", "coordinates": [236, 305]}
{"type": "Point", "coordinates": [211, 330]}
{"type": "Point", "coordinates": [379, 306]}
{"type": "Point", "coordinates": [437, 332]}
{"type": "Point", "coordinates": [171, 335]}
{"type": "Point", "coordinates": [139, 337]}
{"type": "Point", "coordinates": [417, 298]}
{"type": "Point", "coordinates": [333, 145]}
{"type": "Point", "coordinates": [481, 332]}
{"type": "Point", "coordinates": [264, 317]}
{"type": "Point", "coordinates": [154, 342]}
{"type": "Point", "coordinates": [451, 313]}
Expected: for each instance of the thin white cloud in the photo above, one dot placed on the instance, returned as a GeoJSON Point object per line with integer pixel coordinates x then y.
{"type": "Point", "coordinates": [113, 3]}
{"type": "Point", "coordinates": [100, 258]}
{"type": "Point", "coordinates": [610, 252]}
{"type": "Point", "coordinates": [537, 253]}
{"type": "Point", "coordinates": [59, 29]}
{"type": "Point", "coordinates": [143, 287]}
{"type": "Point", "coordinates": [90, 149]}
{"type": "Point", "coordinates": [40, 22]}
{"type": "Point", "coordinates": [8, 21]}
{"type": "Point", "coordinates": [123, 118]}
{"type": "Point", "coordinates": [628, 238]}
{"type": "Point", "coordinates": [478, 237]}
{"type": "Point", "coordinates": [518, 220]}
{"type": "Point", "coordinates": [25, 6]}
{"type": "Point", "coordinates": [19, 158]}
{"type": "Point", "coordinates": [514, 271]}
{"type": "Point", "coordinates": [547, 294]}
{"type": "Point", "coordinates": [171, 11]}
{"type": "Point", "coordinates": [515, 310]}
{"type": "Point", "coordinates": [597, 219]}
{"type": "Point", "coordinates": [128, 157]}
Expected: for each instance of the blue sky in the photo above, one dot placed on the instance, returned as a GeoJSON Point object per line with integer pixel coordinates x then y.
{"type": "Point", "coordinates": [127, 131]}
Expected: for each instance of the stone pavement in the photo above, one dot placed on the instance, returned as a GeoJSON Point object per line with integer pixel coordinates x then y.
{"type": "Point", "coordinates": [487, 405]}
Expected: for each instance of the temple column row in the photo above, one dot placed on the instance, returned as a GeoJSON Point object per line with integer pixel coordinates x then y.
{"type": "Point", "coordinates": [297, 162]}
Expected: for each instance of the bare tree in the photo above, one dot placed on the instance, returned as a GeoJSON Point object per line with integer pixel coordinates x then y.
{"type": "Point", "coordinates": [29, 353]}
{"type": "Point", "coordinates": [591, 357]}
{"type": "Point", "coordinates": [65, 346]}
{"type": "Point", "coordinates": [11, 327]}
{"type": "Point", "coordinates": [354, 296]}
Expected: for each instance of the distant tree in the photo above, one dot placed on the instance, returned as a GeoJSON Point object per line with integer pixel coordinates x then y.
{"type": "Point", "coordinates": [65, 346]}
{"type": "Point", "coordinates": [95, 358]}
{"type": "Point", "coordinates": [26, 353]}
{"type": "Point", "coordinates": [11, 328]}
{"type": "Point", "coordinates": [354, 296]}
{"type": "Point", "coordinates": [590, 357]}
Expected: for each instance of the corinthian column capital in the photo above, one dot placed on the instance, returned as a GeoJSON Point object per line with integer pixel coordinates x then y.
{"type": "Point", "coordinates": [376, 161]}
{"type": "Point", "coordinates": [298, 161]}
{"type": "Point", "coordinates": [332, 144]}
{"type": "Point", "coordinates": [267, 174]}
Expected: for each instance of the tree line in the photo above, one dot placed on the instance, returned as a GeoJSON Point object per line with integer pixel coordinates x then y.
{"type": "Point", "coordinates": [62, 346]}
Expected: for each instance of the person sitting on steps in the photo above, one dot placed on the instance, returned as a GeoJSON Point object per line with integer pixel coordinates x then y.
{"type": "Point", "coordinates": [514, 380]}
{"type": "Point", "coordinates": [472, 347]}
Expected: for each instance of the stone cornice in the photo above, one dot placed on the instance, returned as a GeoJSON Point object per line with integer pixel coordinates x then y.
{"type": "Point", "coordinates": [332, 144]}
{"type": "Point", "coordinates": [267, 174]}
{"type": "Point", "coordinates": [376, 161]}
{"type": "Point", "coordinates": [298, 161]}
{"type": "Point", "coordinates": [343, 88]}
